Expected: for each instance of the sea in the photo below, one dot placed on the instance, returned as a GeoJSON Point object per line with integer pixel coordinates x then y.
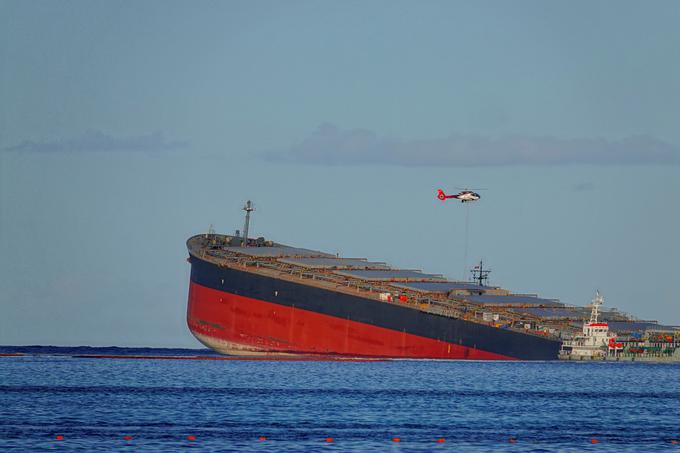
{"type": "Point", "coordinates": [119, 399]}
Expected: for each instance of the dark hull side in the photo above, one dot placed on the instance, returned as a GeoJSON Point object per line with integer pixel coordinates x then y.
{"type": "Point", "coordinates": [238, 312]}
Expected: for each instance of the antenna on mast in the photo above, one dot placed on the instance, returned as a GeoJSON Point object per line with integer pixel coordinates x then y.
{"type": "Point", "coordinates": [248, 208]}
{"type": "Point", "coordinates": [479, 274]}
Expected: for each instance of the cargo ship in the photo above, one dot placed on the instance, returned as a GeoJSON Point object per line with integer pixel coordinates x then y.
{"type": "Point", "coordinates": [253, 296]}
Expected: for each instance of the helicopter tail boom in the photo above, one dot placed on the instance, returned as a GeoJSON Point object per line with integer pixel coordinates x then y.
{"type": "Point", "coordinates": [442, 196]}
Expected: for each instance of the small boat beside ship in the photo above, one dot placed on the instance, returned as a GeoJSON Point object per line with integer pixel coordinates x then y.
{"type": "Point", "coordinates": [597, 342]}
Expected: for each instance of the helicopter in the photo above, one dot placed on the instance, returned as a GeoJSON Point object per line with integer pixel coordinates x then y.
{"type": "Point", "coordinates": [465, 195]}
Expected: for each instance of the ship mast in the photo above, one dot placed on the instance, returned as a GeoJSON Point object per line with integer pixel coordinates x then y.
{"type": "Point", "coordinates": [248, 208]}
{"type": "Point", "coordinates": [479, 274]}
{"type": "Point", "coordinates": [598, 300]}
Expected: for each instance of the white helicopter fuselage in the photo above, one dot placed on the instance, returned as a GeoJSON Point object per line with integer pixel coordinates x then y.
{"type": "Point", "coordinates": [467, 196]}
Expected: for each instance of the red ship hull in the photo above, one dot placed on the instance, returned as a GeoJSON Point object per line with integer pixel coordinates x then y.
{"type": "Point", "coordinates": [234, 324]}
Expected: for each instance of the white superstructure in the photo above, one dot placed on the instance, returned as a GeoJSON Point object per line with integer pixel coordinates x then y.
{"type": "Point", "coordinates": [595, 339]}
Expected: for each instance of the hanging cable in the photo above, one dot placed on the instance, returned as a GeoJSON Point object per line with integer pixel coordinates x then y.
{"type": "Point", "coordinates": [467, 230]}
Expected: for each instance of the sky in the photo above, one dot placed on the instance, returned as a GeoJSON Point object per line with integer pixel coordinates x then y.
{"type": "Point", "coordinates": [127, 127]}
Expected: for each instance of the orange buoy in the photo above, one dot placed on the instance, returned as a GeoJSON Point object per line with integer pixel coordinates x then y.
{"type": "Point", "coordinates": [59, 437]}
{"type": "Point", "coordinates": [329, 439]}
{"type": "Point", "coordinates": [440, 440]}
{"type": "Point", "coordinates": [261, 438]}
{"type": "Point", "coordinates": [396, 439]}
{"type": "Point", "coordinates": [127, 438]}
{"type": "Point", "coordinates": [191, 438]}
{"type": "Point", "coordinates": [594, 441]}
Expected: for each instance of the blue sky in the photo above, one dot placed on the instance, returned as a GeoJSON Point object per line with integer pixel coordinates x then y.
{"type": "Point", "coordinates": [127, 127]}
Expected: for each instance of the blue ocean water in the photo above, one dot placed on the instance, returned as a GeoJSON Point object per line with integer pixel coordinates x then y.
{"type": "Point", "coordinates": [362, 406]}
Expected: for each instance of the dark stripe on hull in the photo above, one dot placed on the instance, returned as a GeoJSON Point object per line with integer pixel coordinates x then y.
{"type": "Point", "coordinates": [370, 312]}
